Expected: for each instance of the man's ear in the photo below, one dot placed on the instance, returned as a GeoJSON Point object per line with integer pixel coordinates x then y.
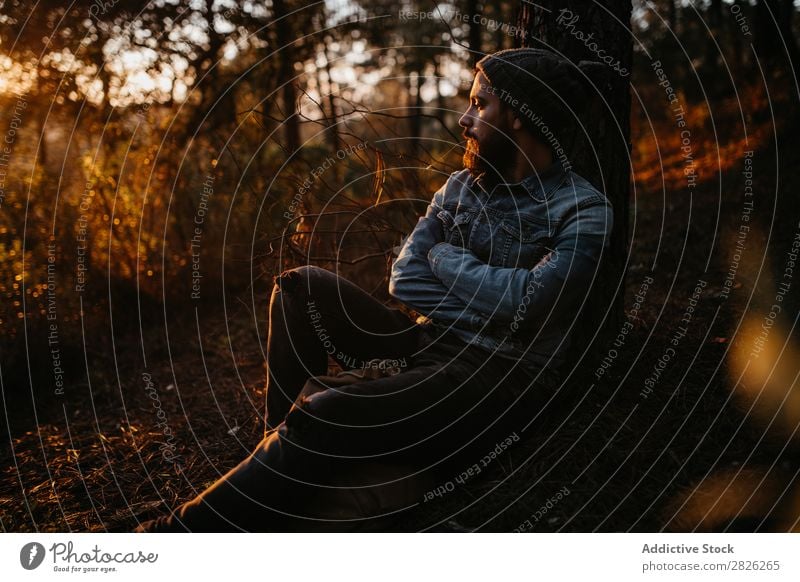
{"type": "Point", "coordinates": [516, 124]}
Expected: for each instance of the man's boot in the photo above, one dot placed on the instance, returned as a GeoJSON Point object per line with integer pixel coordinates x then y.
{"type": "Point", "coordinates": [245, 499]}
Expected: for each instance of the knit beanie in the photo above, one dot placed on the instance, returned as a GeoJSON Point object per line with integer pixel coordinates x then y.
{"type": "Point", "coordinates": [547, 92]}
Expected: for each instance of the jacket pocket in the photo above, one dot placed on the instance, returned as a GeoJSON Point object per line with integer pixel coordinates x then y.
{"type": "Point", "coordinates": [524, 244]}
{"type": "Point", "coordinates": [456, 227]}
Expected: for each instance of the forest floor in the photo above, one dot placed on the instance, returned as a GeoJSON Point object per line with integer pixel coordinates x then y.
{"type": "Point", "coordinates": [677, 446]}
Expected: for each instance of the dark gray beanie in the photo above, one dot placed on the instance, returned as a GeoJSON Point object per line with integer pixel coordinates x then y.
{"type": "Point", "coordinates": [547, 91]}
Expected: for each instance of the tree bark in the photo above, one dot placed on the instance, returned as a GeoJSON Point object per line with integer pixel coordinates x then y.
{"type": "Point", "coordinates": [672, 16]}
{"type": "Point", "coordinates": [785, 15]}
{"type": "Point", "coordinates": [740, 60]}
{"type": "Point", "coordinates": [767, 41]}
{"type": "Point", "coordinates": [474, 38]}
{"type": "Point", "coordinates": [333, 116]}
{"type": "Point", "coordinates": [604, 158]}
{"type": "Point", "coordinates": [774, 41]}
{"type": "Point", "coordinates": [291, 125]}
{"type": "Point", "coordinates": [441, 102]}
{"type": "Point", "coordinates": [416, 113]}
{"type": "Point", "coordinates": [217, 105]}
{"type": "Point", "coordinates": [715, 35]}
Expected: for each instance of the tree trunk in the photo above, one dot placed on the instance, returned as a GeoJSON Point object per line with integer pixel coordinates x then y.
{"type": "Point", "coordinates": [217, 107]}
{"type": "Point", "coordinates": [672, 16]}
{"type": "Point", "coordinates": [41, 116]}
{"type": "Point", "coordinates": [333, 116]}
{"type": "Point", "coordinates": [768, 44]}
{"type": "Point", "coordinates": [715, 14]}
{"type": "Point", "coordinates": [474, 38]}
{"type": "Point", "coordinates": [739, 57]}
{"type": "Point", "coordinates": [606, 163]}
{"type": "Point", "coordinates": [714, 43]}
{"type": "Point", "coordinates": [416, 113]}
{"type": "Point", "coordinates": [784, 16]}
{"type": "Point", "coordinates": [291, 125]}
{"type": "Point", "coordinates": [774, 41]}
{"type": "Point", "coordinates": [441, 102]}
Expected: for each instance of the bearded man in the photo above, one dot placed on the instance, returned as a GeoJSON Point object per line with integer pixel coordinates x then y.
{"type": "Point", "coordinates": [496, 268]}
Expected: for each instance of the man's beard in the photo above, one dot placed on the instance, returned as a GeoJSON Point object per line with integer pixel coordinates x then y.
{"type": "Point", "coordinates": [492, 159]}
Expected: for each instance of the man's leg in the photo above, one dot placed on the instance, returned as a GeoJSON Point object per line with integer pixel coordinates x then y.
{"type": "Point", "coordinates": [455, 405]}
{"type": "Point", "coordinates": [313, 314]}
{"type": "Point", "coordinates": [452, 399]}
{"type": "Point", "coordinates": [266, 488]}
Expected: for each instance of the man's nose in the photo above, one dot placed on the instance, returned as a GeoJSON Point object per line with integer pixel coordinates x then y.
{"type": "Point", "coordinates": [465, 120]}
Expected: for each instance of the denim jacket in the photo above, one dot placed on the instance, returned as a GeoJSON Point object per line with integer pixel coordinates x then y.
{"type": "Point", "coordinates": [506, 270]}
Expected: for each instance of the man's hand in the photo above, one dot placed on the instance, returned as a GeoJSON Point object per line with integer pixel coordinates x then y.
{"type": "Point", "coordinates": [527, 297]}
{"type": "Point", "coordinates": [454, 255]}
{"type": "Point", "coordinates": [413, 283]}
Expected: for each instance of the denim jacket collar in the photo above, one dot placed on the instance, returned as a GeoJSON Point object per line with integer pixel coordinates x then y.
{"type": "Point", "coordinates": [538, 186]}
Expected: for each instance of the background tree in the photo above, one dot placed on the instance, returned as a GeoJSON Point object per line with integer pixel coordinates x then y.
{"type": "Point", "coordinates": [604, 158]}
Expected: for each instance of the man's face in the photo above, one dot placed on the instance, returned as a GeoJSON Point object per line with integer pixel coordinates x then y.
{"type": "Point", "coordinates": [487, 128]}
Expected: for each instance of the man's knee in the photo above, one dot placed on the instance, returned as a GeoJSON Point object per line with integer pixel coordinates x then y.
{"type": "Point", "coordinates": [303, 421]}
{"type": "Point", "coordinates": [318, 420]}
{"type": "Point", "coordinates": [301, 278]}
{"type": "Point", "coordinates": [294, 289]}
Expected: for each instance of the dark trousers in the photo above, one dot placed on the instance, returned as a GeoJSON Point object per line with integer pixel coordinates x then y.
{"type": "Point", "coordinates": [449, 403]}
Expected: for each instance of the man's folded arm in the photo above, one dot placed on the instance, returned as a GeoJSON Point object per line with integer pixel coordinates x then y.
{"type": "Point", "coordinates": [525, 296]}
{"type": "Point", "coordinates": [413, 282]}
